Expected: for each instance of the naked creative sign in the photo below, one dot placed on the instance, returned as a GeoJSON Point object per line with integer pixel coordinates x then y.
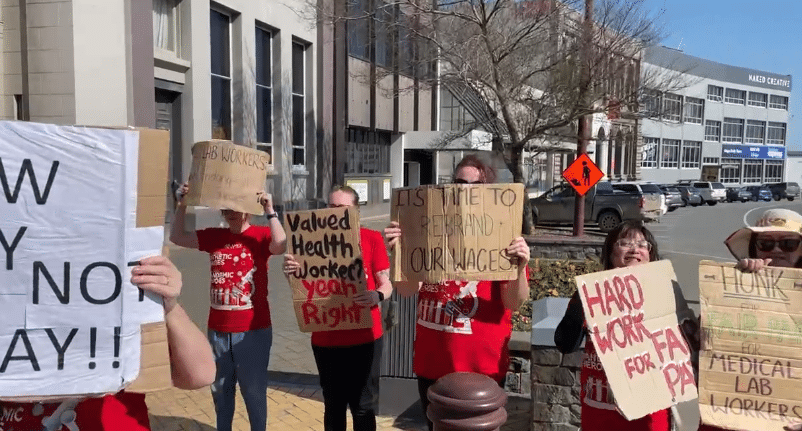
{"type": "Point", "coordinates": [631, 315]}
{"type": "Point", "coordinates": [80, 206]}
{"type": "Point", "coordinates": [751, 357]}
{"type": "Point", "coordinates": [456, 232]}
{"type": "Point", "coordinates": [227, 176]}
{"type": "Point", "coordinates": [326, 244]}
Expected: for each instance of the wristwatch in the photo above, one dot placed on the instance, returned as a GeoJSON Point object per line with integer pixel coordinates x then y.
{"type": "Point", "coordinates": [381, 295]}
{"type": "Point", "coordinates": [269, 216]}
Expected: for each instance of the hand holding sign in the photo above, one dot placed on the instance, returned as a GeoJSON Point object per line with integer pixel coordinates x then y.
{"type": "Point", "coordinates": [157, 274]}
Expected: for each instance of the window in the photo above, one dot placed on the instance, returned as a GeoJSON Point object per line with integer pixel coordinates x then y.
{"type": "Point", "coordinates": [710, 160]}
{"type": "Point", "coordinates": [298, 105]}
{"type": "Point", "coordinates": [735, 96]}
{"type": "Point", "coordinates": [672, 107]}
{"type": "Point", "coordinates": [755, 130]}
{"type": "Point", "coordinates": [383, 27]}
{"type": "Point", "coordinates": [651, 103]}
{"type": "Point", "coordinates": [730, 171]}
{"type": "Point", "coordinates": [694, 110]}
{"type": "Point", "coordinates": [167, 26]}
{"type": "Point", "coordinates": [774, 171]}
{"type": "Point", "coordinates": [775, 134]}
{"type": "Point", "coordinates": [669, 153]}
{"type": "Point", "coordinates": [758, 99]}
{"type": "Point", "coordinates": [221, 75]}
{"type": "Point", "coordinates": [453, 116]}
{"type": "Point", "coordinates": [712, 130]}
{"type": "Point", "coordinates": [753, 171]}
{"type": "Point", "coordinates": [778, 102]}
{"type": "Point", "coordinates": [715, 93]}
{"type": "Point", "coordinates": [264, 92]}
{"type": "Point", "coordinates": [650, 147]}
{"type": "Point", "coordinates": [691, 154]}
{"type": "Point", "coordinates": [367, 152]}
{"type": "Point", "coordinates": [733, 130]}
{"type": "Point", "coordinates": [358, 29]}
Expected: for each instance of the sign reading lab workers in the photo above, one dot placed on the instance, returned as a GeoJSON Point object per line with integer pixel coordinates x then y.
{"type": "Point", "coordinates": [765, 152]}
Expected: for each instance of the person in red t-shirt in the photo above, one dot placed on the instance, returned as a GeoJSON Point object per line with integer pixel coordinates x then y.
{"type": "Point", "coordinates": [348, 361]}
{"type": "Point", "coordinates": [239, 327]}
{"type": "Point", "coordinates": [191, 365]}
{"type": "Point", "coordinates": [462, 325]}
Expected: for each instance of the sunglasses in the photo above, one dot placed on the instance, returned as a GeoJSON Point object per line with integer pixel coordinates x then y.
{"type": "Point", "coordinates": [787, 245]}
{"type": "Point", "coordinates": [461, 181]}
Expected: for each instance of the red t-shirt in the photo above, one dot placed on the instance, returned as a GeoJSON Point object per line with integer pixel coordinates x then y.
{"type": "Point", "coordinates": [239, 278]}
{"type": "Point", "coordinates": [598, 406]}
{"type": "Point", "coordinates": [374, 259]}
{"type": "Point", "coordinates": [123, 411]}
{"type": "Point", "coordinates": [462, 326]}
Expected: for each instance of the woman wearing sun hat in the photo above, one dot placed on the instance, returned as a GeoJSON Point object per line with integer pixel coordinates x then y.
{"type": "Point", "coordinates": [775, 240]}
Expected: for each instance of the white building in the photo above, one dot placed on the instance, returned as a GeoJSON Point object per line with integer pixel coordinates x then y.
{"type": "Point", "coordinates": [726, 123]}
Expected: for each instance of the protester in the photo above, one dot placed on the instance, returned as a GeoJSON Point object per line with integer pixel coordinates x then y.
{"type": "Point", "coordinates": [630, 244]}
{"type": "Point", "coordinates": [191, 366]}
{"type": "Point", "coordinates": [469, 323]}
{"type": "Point", "coordinates": [239, 324]}
{"type": "Point", "coordinates": [348, 360]}
{"type": "Point", "coordinates": [774, 241]}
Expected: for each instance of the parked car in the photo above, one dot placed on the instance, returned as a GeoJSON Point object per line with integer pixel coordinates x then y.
{"type": "Point", "coordinates": [711, 192]}
{"type": "Point", "coordinates": [603, 205]}
{"type": "Point", "coordinates": [789, 190]}
{"type": "Point", "coordinates": [739, 194]}
{"type": "Point", "coordinates": [653, 202]}
{"type": "Point", "coordinates": [759, 193]}
{"type": "Point", "coordinates": [673, 197]}
{"type": "Point", "coordinates": [690, 195]}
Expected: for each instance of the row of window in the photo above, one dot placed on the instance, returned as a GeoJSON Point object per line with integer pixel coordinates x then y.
{"type": "Point", "coordinates": [671, 153]}
{"type": "Point", "coordinates": [220, 39]}
{"type": "Point", "coordinates": [747, 171]}
{"type": "Point", "coordinates": [670, 107]}
{"type": "Point", "coordinates": [739, 97]}
{"type": "Point", "coordinates": [732, 130]}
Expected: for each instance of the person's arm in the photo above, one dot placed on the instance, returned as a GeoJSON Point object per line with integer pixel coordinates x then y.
{"type": "Point", "coordinates": [392, 234]}
{"type": "Point", "coordinates": [278, 238]}
{"type": "Point", "coordinates": [178, 235]}
{"type": "Point", "coordinates": [515, 292]}
{"type": "Point", "coordinates": [191, 361]}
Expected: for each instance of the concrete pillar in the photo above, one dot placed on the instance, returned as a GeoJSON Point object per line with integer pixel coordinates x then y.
{"type": "Point", "coordinates": [602, 159]}
{"type": "Point", "coordinates": [549, 170]}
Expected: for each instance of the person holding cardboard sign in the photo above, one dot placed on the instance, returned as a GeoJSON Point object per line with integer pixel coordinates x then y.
{"type": "Point", "coordinates": [191, 367]}
{"type": "Point", "coordinates": [465, 326]}
{"type": "Point", "coordinates": [348, 360]}
{"type": "Point", "coordinates": [240, 329]}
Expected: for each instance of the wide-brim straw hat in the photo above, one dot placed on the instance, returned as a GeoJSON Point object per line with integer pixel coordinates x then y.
{"type": "Point", "coordinates": [773, 220]}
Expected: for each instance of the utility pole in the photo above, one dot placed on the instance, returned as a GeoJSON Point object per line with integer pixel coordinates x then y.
{"type": "Point", "coordinates": [25, 103]}
{"type": "Point", "coordinates": [585, 121]}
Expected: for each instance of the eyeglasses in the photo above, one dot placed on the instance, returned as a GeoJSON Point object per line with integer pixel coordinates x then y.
{"type": "Point", "coordinates": [787, 245]}
{"type": "Point", "coordinates": [461, 181]}
{"type": "Point", "coordinates": [628, 244]}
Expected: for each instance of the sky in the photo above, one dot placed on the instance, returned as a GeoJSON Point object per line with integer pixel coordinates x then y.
{"type": "Point", "coordinates": [759, 34]}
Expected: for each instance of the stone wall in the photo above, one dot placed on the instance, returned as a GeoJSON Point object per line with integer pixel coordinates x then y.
{"type": "Point", "coordinates": [565, 247]}
{"type": "Point", "coordinates": [555, 389]}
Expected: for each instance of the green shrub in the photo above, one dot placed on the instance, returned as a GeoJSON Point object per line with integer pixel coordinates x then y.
{"type": "Point", "coordinates": [550, 278]}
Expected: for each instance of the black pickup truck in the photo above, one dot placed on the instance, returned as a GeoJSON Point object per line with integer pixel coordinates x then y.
{"type": "Point", "coordinates": [603, 205]}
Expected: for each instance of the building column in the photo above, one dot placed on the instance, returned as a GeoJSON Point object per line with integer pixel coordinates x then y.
{"type": "Point", "coordinates": [549, 170]}
{"type": "Point", "coordinates": [601, 156]}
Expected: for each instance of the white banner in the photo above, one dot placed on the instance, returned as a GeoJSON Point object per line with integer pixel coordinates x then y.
{"type": "Point", "coordinates": [68, 234]}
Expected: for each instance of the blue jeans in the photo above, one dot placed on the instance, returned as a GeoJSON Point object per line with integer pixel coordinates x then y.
{"type": "Point", "coordinates": [241, 357]}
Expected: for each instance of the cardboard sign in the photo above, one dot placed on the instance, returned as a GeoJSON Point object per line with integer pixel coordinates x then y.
{"type": "Point", "coordinates": [326, 244]}
{"type": "Point", "coordinates": [631, 315]}
{"type": "Point", "coordinates": [456, 231]}
{"type": "Point", "coordinates": [750, 365]}
{"type": "Point", "coordinates": [80, 205]}
{"type": "Point", "coordinates": [227, 176]}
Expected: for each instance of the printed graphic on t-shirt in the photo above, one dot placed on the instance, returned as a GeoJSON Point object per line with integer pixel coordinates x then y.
{"type": "Point", "coordinates": [448, 307]}
{"type": "Point", "coordinates": [597, 393]}
{"type": "Point", "coordinates": [20, 418]}
{"type": "Point", "coordinates": [232, 278]}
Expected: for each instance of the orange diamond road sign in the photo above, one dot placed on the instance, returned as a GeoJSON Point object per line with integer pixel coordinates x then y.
{"type": "Point", "coordinates": [582, 174]}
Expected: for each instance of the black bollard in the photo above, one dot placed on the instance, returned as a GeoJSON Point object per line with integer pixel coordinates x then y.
{"type": "Point", "coordinates": [466, 402]}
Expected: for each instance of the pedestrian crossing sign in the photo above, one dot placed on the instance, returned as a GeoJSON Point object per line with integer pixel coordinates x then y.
{"type": "Point", "coordinates": [582, 174]}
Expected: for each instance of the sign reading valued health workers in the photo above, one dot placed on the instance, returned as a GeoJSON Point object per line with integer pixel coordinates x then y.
{"type": "Point", "coordinates": [80, 206]}
{"type": "Point", "coordinates": [631, 315]}
{"type": "Point", "coordinates": [750, 364]}
{"type": "Point", "coordinates": [326, 244]}
{"type": "Point", "coordinates": [456, 232]}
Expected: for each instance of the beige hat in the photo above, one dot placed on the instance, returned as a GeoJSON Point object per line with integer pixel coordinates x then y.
{"type": "Point", "coordinates": [773, 220]}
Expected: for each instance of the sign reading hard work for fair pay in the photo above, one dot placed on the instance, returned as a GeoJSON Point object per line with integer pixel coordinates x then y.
{"type": "Point", "coordinates": [457, 232]}
{"type": "Point", "coordinates": [750, 366]}
{"type": "Point", "coordinates": [631, 315]}
{"type": "Point", "coordinates": [326, 244]}
{"type": "Point", "coordinates": [75, 220]}
{"type": "Point", "coordinates": [227, 176]}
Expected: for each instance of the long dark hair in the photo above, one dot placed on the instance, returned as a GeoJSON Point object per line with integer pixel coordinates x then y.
{"type": "Point", "coordinates": [487, 173]}
{"type": "Point", "coordinates": [622, 231]}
